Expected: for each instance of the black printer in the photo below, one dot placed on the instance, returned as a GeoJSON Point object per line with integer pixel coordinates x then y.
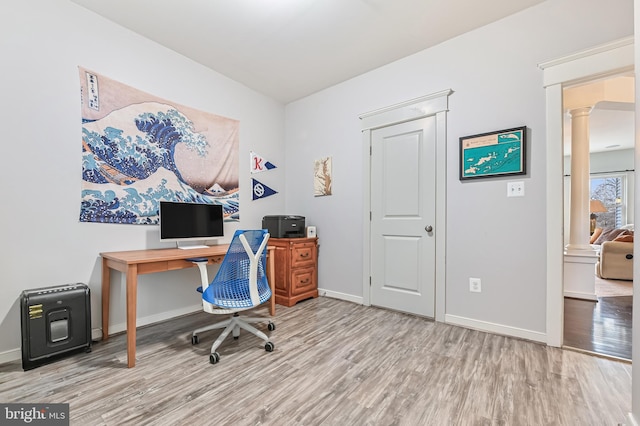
{"type": "Point", "coordinates": [281, 226]}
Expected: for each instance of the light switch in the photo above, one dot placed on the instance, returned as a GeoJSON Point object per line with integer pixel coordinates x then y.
{"type": "Point", "coordinates": [515, 189]}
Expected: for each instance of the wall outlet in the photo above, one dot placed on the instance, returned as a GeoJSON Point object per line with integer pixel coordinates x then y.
{"type": "Point", "coordinates": [475, 285]}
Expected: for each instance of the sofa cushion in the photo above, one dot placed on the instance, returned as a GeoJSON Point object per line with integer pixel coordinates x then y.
{"type": "Point", "coordinates": [608, 235]}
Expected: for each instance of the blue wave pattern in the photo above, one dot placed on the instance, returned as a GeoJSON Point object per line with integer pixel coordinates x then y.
{"type": "Point", "coordinates": [127, 175]}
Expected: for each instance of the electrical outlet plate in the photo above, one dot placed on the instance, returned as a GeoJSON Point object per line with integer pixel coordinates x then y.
{"type": "Point", "coordinates": [475, 285]}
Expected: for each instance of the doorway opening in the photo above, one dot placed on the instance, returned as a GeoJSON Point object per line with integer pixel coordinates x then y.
{"type": "Point", "coordinates": [600, 322]}
{"type": "Point", "coordinates": [612, 59]}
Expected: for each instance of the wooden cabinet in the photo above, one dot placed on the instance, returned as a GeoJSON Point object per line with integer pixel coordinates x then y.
{"type": "Point", "coordinates": [296, 269]}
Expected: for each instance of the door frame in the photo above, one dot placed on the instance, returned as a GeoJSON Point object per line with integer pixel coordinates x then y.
{"type": "Point", "coordinates": [436, 104]}
{"type": "Point", "coordinates": [600, 61]}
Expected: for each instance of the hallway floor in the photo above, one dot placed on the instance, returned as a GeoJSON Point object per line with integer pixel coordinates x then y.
{"type": "Point", "coordinates": [602, 327]}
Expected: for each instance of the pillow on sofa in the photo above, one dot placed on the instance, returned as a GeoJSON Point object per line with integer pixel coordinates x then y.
{"type": "Point", "coordinates": [625, 237]}
{"type": "Point", "coordinates": [608, 235]}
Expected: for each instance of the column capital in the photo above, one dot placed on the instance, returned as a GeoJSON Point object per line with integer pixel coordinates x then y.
{"type": "Point", "coordinates": [582, 111]}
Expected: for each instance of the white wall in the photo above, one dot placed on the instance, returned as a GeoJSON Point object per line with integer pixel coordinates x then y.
{"type": "Point", "coordinates": [497, 84]}
{"type": "Point", "coordinates": [42, 43]}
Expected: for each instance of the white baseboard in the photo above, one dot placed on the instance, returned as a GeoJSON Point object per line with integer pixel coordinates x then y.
{"type": "Point", "coordinates": [490, 327]}
{"type": "Point", "coordinates": [456, 320]}
{"type": "Point", "coordinates": [342, 296]}
{"type": "Point", "coordinates": [10, 355]}
{"type": "Point", "coordinates": [580, 295]}
{"type": "Point", "coordinates": [152, 319]}
{"type": "Point", "coordinates": [96, 333]}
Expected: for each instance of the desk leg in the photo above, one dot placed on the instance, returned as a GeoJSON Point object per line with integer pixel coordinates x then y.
{"type": "Point", "coordinates": [106, 293]}
{"type": "Point", "coordinates": [271, 278]}
{"type": "Point", "coordinates": [132, 296]}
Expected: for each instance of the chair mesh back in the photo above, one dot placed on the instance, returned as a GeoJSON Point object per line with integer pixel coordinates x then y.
{"type": "Point", "coordinates": [230, 287]}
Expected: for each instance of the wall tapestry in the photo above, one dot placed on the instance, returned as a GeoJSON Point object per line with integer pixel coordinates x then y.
{"type": "Point", "coordinates": [138, 150]}
{"type": "Point", "coordinates": [322, 180]}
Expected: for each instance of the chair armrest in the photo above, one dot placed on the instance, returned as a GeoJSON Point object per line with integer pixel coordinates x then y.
{"type": "Point", "coordinates": [616, 260]}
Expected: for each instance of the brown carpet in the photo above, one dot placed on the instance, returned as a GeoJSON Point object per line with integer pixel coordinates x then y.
{"type": "Point", "coordinates": [613, 288]}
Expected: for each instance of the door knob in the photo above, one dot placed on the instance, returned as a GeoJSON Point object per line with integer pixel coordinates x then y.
{"type": "Point", "coordinates": [428, 228]}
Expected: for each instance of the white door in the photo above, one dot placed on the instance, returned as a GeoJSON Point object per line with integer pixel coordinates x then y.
{"type": "Point", "coordinates": [403, 193]}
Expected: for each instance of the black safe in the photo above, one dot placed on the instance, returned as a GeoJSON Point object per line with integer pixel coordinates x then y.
{"type": "Point", "coordinates": [55, 321]}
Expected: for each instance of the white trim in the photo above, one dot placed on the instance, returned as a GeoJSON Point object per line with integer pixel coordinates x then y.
{"type": "Point", "coordinates": [490, 327]}
{"type": "Point", "coordinates": [10, 355]}
{"type": "Point", "coordinates": [340, 296]}
{"type": "Point", "coordinates": [435, 104]}
{"type": "Point", "coordinates": [413, 109]}
{"type": "Point", "coordinates": [606, 59]}
{"type": "Point", "coordinates": [555, 219]}
{"type": "Point", "coordinates": [366, 218]}
{"type": "Point", "coordinates": [601, 60]}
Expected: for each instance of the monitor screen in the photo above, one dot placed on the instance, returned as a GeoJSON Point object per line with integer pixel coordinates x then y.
{"type": "Point", "coordinates": [190, 221]}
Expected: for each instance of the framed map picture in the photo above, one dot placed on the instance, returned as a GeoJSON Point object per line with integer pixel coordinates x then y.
{"type": "Point", "coordinates": [493, 154]}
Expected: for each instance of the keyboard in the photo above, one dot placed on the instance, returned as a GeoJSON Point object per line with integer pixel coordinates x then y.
{"type": "Point", "coordinates": [192, 247]}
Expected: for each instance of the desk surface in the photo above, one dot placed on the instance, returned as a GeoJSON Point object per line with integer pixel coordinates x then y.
{"type": "Point", "coordinates": [163, 254]}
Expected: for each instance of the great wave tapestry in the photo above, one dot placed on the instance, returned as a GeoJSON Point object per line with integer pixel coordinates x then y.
{"type": "Point", "coordinates": [138, 150]}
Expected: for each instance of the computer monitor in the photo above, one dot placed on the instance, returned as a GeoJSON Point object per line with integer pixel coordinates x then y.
{"type": "Point", "coordinates": [190, 222]}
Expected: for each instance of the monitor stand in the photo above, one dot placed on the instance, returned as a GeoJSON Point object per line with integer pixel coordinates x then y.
{"type": "Point", "coordinates": [191, 246]}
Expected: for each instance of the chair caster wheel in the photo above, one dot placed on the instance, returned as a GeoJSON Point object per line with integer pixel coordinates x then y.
{"type": "Point", "coordinates": [271, 326]}
{"type": "Point", "coordinates": [269, 347]}
{"type": "Point", "coordinates": [214, 358]}
{"type": "Point", "coordinates": [194, 340]}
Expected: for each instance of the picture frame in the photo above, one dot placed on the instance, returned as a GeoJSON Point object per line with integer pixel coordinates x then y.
{"type": "Point", "coordinates": [494, 154]}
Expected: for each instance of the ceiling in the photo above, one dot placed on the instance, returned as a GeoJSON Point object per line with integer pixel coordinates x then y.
{"type": "Point", "coordinates": [288, 49]}
{"type": "Point", "coordinates": [609, 129]}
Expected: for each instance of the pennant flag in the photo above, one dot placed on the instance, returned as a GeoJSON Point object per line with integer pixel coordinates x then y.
{"type": "Point", "coordinates": [259, 164]}
{"type": "Point", "coordinates": [261, 190]}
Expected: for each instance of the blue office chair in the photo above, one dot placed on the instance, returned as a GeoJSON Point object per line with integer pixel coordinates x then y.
{"type": "Point", "coordinates": [240, 284]}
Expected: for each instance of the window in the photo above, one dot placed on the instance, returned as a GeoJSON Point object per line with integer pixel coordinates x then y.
{"type": "Point", "coordinates": [610, 190]}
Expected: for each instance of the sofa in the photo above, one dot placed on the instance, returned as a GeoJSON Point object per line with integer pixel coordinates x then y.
{"type": "Point", "coordinates": [615, 259]}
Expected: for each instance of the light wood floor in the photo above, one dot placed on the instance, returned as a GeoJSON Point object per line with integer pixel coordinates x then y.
{"type": "Point", "coordinates": [335, 363]}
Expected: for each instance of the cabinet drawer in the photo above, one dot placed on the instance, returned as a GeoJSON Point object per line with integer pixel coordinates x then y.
{"type": "Point", "coordinates": [303, 280]}
{"type": "Point", "coordinates": [303, 254]}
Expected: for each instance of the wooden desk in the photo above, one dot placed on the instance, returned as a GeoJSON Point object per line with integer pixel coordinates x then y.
{"type": "Point", "coordinates": [138, 262]}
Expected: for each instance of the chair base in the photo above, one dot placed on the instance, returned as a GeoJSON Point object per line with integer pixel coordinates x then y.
{"type": "Point", "coordinates": [233, 325]}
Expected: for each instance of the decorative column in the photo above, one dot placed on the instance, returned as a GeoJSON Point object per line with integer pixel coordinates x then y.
{"type": "Point", "coordinates": [579, 229]}
{"type": "Point", "coordinates": [579, 257]}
